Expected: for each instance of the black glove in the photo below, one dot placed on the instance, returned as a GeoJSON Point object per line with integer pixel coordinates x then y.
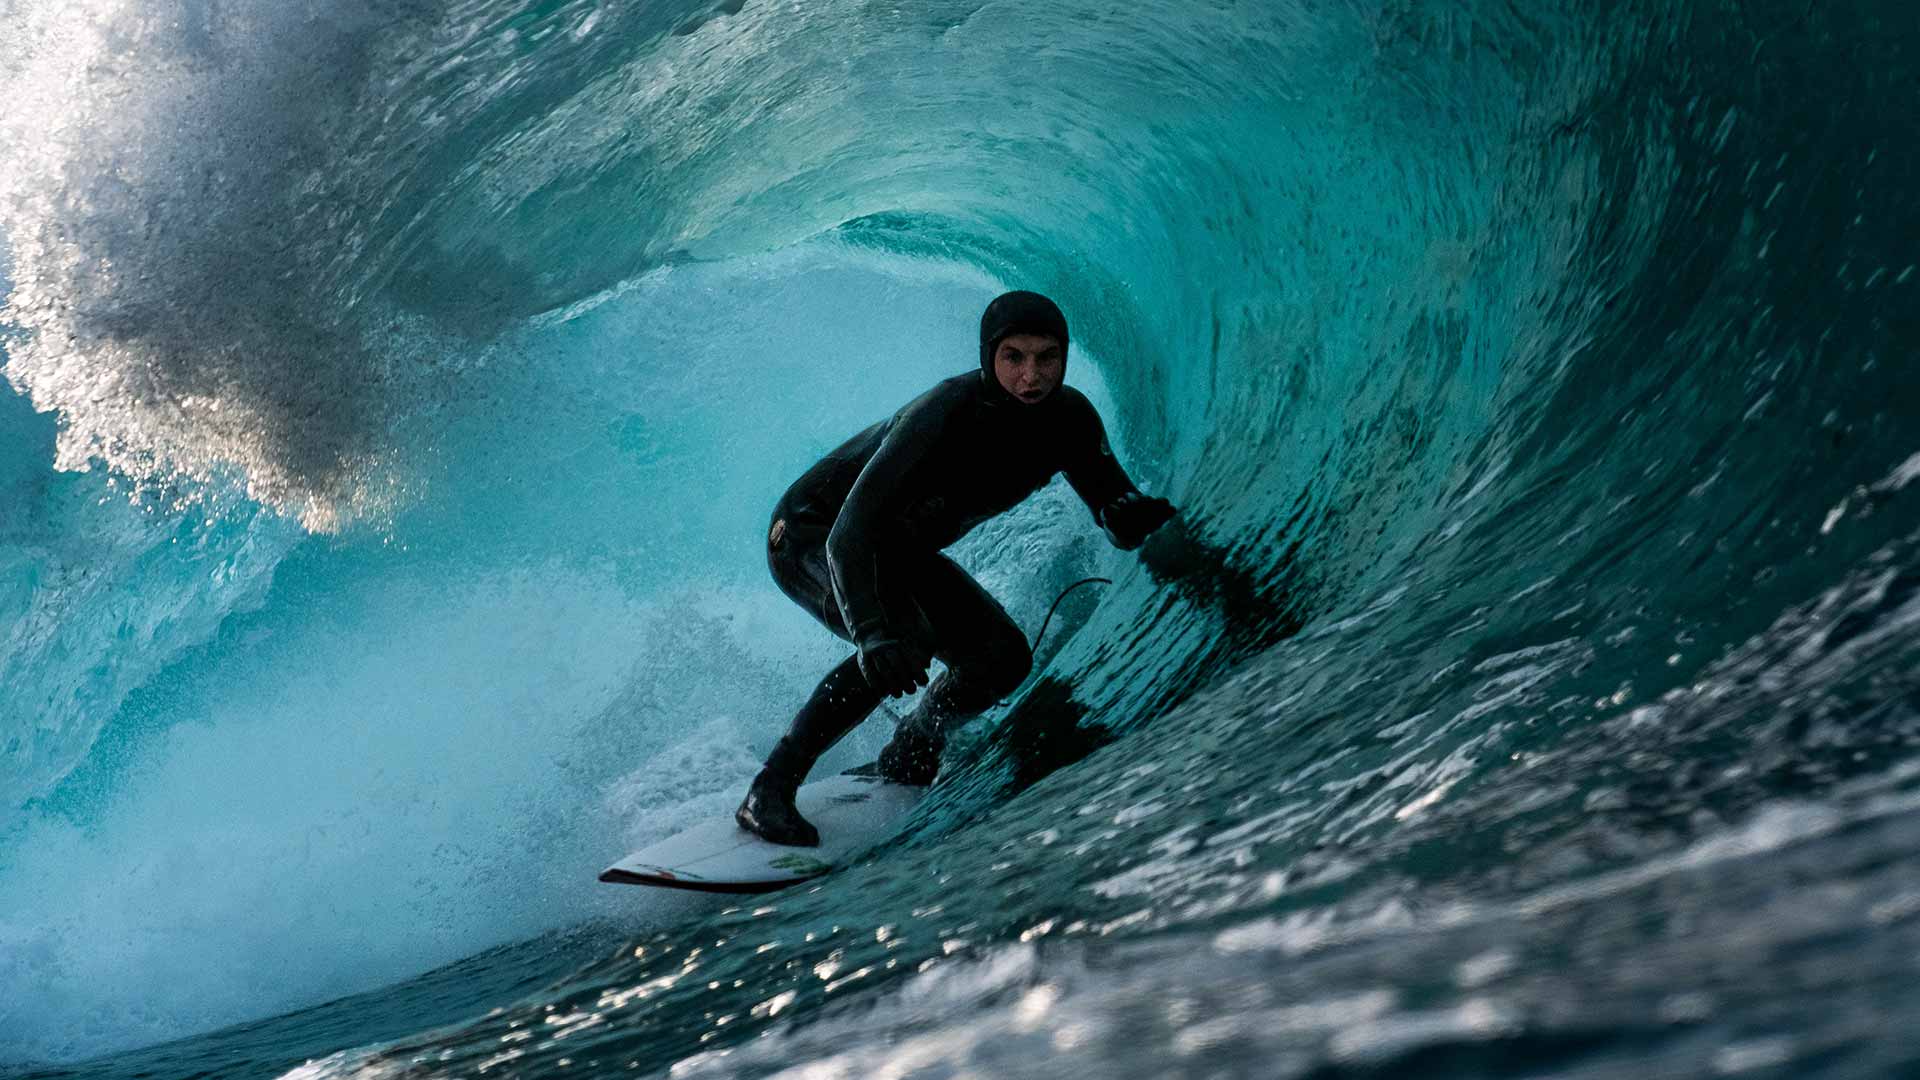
{"type": "Point", "coordinates": [895, 668]}
{"type": "Point", "coordinates": [1129, 518]}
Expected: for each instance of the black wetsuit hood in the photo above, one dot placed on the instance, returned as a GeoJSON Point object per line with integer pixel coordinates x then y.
{"type": "Point", "coordinates": [1017, 312]}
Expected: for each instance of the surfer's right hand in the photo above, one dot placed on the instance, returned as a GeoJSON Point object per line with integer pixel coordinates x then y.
{"type": "Point", "coordinates": [895, 668]}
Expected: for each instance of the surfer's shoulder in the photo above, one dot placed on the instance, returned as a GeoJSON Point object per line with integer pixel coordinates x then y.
{"type": "Point", "coordinates": [938, 403]}
{"type": "Point", "coordinates": [1079, 411]}
{"type": "Point", "coordinates": [1075, 400]}
{"type": "Point", "coordinates": [962, 387]}
{"type": "Point", "coordinates": [947, 394]}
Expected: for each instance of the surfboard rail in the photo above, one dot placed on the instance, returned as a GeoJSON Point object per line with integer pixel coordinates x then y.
{"type": "Point", "coordinates": [614, 875]}
{"type": "Point", "coordinates": [853, 811]}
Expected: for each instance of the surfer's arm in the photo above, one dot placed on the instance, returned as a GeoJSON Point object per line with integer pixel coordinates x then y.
{"type": "Point", "coordinates": [1091, 468]}
{"type": "Point", "coordinates": [851, 551]}
{"type": "Point", "coordinates": [1119, 507]}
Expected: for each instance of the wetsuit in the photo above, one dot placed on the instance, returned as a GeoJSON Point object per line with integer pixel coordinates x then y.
{"type": "Point", "coordinates": [856, 541]}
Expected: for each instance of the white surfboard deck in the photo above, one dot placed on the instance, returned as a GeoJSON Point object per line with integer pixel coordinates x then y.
{"type": "Point", "coordinates": [851, 812]}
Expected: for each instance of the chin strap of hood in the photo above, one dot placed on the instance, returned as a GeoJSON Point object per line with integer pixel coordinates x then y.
{"type": "Point", "coordinates": [1017, 312]}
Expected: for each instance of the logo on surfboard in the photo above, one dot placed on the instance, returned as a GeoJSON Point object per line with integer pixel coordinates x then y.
{"type": "Point", "coordinates": [800, 864]}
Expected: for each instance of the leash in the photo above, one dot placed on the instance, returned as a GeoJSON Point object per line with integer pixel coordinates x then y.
{"type": "Point", "coordinates": [1037, 638]}
{"type": "Point", "coordinates": [1056, 605]}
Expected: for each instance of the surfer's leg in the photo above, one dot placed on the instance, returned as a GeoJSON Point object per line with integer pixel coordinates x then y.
{"type": "Point", "coordinates": [837, 705]}
{"type": "Point", "coordinates": [986, 656]}
{"type": "Point", "coordinates": [797, 558]}
{"type": "Point", "coordinates": [843, 698]}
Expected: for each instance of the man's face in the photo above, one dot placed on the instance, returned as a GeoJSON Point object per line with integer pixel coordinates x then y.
{"type": "Point", "coordinates": [1029, 366]}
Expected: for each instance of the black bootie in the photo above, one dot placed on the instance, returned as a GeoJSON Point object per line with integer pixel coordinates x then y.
{"type": "Point", "coordinates": [768, 811]}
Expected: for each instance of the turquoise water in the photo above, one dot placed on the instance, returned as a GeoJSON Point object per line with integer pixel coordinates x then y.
{"type": "Point", "coordinates": [398, 393]}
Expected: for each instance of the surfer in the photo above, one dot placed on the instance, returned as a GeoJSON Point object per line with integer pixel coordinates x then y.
{"type": "Point", "coordinates": [856, 541]}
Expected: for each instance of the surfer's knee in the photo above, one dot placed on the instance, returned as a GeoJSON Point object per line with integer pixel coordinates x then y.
{"type": "Point", "coordinates": [1020, 663]}
{"type": "Point", "coordinates": [1003, 665]}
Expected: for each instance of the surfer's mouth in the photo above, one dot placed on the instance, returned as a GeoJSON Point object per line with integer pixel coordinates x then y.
{"type": "Point", "coordinates": [1030, 396]}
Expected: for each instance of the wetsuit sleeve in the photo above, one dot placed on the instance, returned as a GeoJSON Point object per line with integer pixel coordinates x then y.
{"type": "Point", "coordinates": [851, 545]}
{"type": "Point", "coordinates": [1091, 467]}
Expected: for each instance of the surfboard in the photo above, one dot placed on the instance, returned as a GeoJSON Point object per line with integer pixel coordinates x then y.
{"type": "Point", "coordinates": [851, 811]}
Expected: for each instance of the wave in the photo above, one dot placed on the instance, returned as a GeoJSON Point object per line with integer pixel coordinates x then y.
{"type": "Point", "coordinates": [1531, 385]}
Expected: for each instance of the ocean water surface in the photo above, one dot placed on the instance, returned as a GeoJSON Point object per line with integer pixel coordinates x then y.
{"type": "Point", "coordinates": [395, 395]}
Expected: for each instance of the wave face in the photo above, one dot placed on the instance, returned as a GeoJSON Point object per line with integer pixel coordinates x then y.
{"type": "Point", "coordinates": [1531, 682]}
